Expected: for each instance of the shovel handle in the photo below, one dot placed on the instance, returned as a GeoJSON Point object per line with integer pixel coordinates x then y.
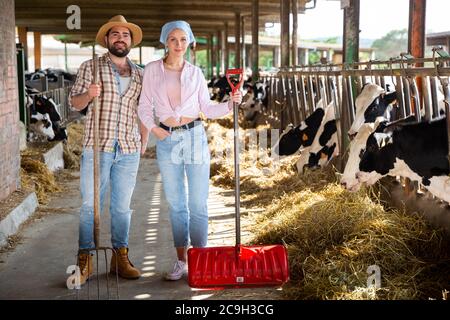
{"type": "Point", "coordinates": [96, 118]}
{"type": "Point", "coordinates": [236, 175]}
{"type": "Point", "coordinates": [234, 88]}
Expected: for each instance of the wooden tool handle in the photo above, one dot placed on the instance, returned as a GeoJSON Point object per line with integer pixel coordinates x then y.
{"type": "Point", "coordinates": [96, 118]}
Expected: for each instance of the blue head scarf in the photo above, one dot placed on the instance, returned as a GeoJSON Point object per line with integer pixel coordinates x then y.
{"type": "Point", "coordinates": [170, 26]}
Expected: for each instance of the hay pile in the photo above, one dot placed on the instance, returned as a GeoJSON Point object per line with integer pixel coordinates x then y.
{"type": "Point", "coordinates": [35, 174]}
{"type": "Point", "coordinates": [74, 146]}
{"type": "Point", "coordinates": [333, 236]}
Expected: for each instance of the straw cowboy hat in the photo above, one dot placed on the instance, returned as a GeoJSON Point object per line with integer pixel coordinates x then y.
{"type": "Point", "coordinates": [119, 21]}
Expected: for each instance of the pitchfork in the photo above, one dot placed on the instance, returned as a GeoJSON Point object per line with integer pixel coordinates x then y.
{"type": "Point", "coordinates": [98, 248]}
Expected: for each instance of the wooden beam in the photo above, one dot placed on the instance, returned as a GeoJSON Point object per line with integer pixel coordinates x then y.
{"type": "Point", "coordinates": [227, 47]}
{"type": "Point", "coordinates": [416, 39]}
{"type": "Point", "coordinates": [23, 39]}
{"type": "Point", "coordinates": [284, 39]}
{"type": "Point", "coordinates": [219, 53]}
{"type": "Point", "coordinates": [351, 32]}
{"type": "Point", "coordinates": [243, 53]}
{"type": "Point", "coordinates": [146, 4]}
{"type": "Point", "coordinates": [255, 40]}
{"type": "Point", "coordinates": [37, 50]}
{"type": "Point", "coordinates": [209, 70]}
{"type": "Point", "coordinates": [294, 32]}
{"type": "Point", "coordinates": [237, 40]}
{"type": "Point", "coordinates": [416, 30]}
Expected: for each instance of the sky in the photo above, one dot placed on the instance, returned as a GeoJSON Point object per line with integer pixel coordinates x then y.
{"type": "Point", "coordinates": [377, 18]}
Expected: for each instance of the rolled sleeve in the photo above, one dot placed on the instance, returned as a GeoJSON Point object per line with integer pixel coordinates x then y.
{"type": "Point", "coordinates": [84, 79]}
{"type": "Point", "coordinates": [145, 108]}
{"type": "Point", "coordinates": [210, 109]}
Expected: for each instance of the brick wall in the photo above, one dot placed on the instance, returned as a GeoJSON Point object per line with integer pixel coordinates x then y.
{"type": "Point", "coordinates": [9, 110]}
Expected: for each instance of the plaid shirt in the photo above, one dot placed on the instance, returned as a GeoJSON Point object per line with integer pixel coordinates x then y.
{"type": "Point", "coordinates": [118, 113]}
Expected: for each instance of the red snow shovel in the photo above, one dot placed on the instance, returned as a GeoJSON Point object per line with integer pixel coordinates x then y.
{"type": "Point", "coordinates": [237, 266]}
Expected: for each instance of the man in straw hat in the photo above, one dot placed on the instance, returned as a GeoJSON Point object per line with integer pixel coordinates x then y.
{"type": "Point", "coordinates": [121, 140]}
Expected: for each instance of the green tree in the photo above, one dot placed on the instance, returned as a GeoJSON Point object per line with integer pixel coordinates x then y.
{"type": "Point", "coordinates": [391, 45]}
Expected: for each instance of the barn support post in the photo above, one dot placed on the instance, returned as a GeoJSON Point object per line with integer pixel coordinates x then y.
{"type": "Point", "coordinates": [255, 40]}
{"type": "Point", "coordinates": [243, 53]}
{"type": "Point", "coordinates": [194, 57]}
{"type": "Point", "coordinates": [209, 57]}
{"type": "Point", "coordinates": [223, 51]}
{"type": "Point", "coordinates": [284, 40]}
{"type": "Point", "coordinates": [237, 40]}
{"type": "Point", "coordinates": [37, 50]}
{"type": "Point", "coordinates": [416, 37]}
{"type": "Point", "coordinates": [66, 63]}
{"type": "Point", "coordinates": [227, 47]}
{"type": "Point", "coordinates": [294, 32]}
{"type": "Point", "coordinates": [24, 40]}
{"type": "Point", "coordinates": [213, 55]}
{"type": "Point", "coordinates": [23, 114]}
{"type": "Point", "coordinates": [351, 32]}
{"type": "Point", "coordinates": [219, 52]}
{"type": "Point", "coordinates": [350, 55]}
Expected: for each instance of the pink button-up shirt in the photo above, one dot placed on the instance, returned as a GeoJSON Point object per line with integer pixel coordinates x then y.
{"type": "Point", "coordinates": [194, 96]}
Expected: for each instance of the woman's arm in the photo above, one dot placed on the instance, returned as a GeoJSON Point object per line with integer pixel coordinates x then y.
{"type": "Point", "coordinates": [209, 108]}
{"type": "Point", "coordinates": [145, 107]}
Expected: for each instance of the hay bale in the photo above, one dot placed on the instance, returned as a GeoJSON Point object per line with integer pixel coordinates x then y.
{"type": "Point", "coordinates": [42, 178]}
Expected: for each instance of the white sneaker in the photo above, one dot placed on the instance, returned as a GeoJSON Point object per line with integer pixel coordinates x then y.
{"type": "Point", "coordinates": [179, 270]}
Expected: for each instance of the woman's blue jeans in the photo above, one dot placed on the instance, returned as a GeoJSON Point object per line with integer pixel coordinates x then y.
{"type": "Point", "coordinates": [184, 155]}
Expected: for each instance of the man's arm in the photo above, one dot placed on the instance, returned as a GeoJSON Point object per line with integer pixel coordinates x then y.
{"type": "Point", "coordinates": [80, 101]}
{"type": "Point", "coordinates": [144, 136]}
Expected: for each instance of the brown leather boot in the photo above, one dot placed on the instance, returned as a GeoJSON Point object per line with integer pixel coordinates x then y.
{"type": "Point", "coordinates": [86, 266]}
{"type": "Point", "coordinates": [125, 268]}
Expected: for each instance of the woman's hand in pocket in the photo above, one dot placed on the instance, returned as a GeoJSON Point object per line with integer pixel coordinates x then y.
{"type": "Point", "coordinates": [160, 133]}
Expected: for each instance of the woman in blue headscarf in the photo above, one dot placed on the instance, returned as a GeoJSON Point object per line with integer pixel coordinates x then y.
{"type": "Point", "coordinates": [176, 91]}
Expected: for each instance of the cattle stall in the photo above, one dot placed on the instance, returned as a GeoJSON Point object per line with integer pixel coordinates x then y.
{"type": "Point", "coordinates": [421, 87]}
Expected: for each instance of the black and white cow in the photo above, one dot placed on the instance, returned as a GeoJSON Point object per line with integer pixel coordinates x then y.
{"type": "Point", "coordinates": [417, 151]}
{"type": "Point", "coordinates": [371, 103]}
{"type": "Point", "coordinates": [45, 118]}
{"type": "Point", "coordinates": [325, 143]}
{"type": "Point", "coordinates": [296, 139]}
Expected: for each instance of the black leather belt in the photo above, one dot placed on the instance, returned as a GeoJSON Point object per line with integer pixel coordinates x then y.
{"type": "Point", "coordinates": [186, 126]}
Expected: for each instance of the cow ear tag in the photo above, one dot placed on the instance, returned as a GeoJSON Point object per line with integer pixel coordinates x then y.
{"type": "Point", "coordinates": [323, 155]}
{"type": "Point", "coordinates": [305, 137]}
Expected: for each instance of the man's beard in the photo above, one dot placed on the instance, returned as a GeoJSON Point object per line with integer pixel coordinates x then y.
{"type": "Point", "coordinates": [118, 52]}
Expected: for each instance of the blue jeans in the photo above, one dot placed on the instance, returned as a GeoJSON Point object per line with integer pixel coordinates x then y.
{"type": "Point", "coordinates": [118, 170]}
{"type": "Point", "coordinates": [186, 154]}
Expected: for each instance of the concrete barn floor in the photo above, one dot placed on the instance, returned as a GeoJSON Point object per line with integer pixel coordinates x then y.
{"type": "Point", "coordinates": [36, 268]}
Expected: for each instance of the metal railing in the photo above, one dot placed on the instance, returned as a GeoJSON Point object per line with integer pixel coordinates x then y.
{"type": "Point", "coordinates": [421, 86]}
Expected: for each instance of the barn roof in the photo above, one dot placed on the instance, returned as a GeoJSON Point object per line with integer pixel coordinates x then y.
{"type": "Point", "coordinates": [205, 16]}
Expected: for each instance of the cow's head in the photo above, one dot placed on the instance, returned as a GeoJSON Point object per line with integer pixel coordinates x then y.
{"type": "Point", "coordinates": [370, 104]}
{"type": "Point", "coordinates": [321, 158]}
{"type": "Point", "coordinates": [350, 177]}
{"type": "Point", "coordinates": [47, 105]}
{"type": "Point", "coordinates": [301, 136]}
{"type": "Point", "coordinates": [42, 125]}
